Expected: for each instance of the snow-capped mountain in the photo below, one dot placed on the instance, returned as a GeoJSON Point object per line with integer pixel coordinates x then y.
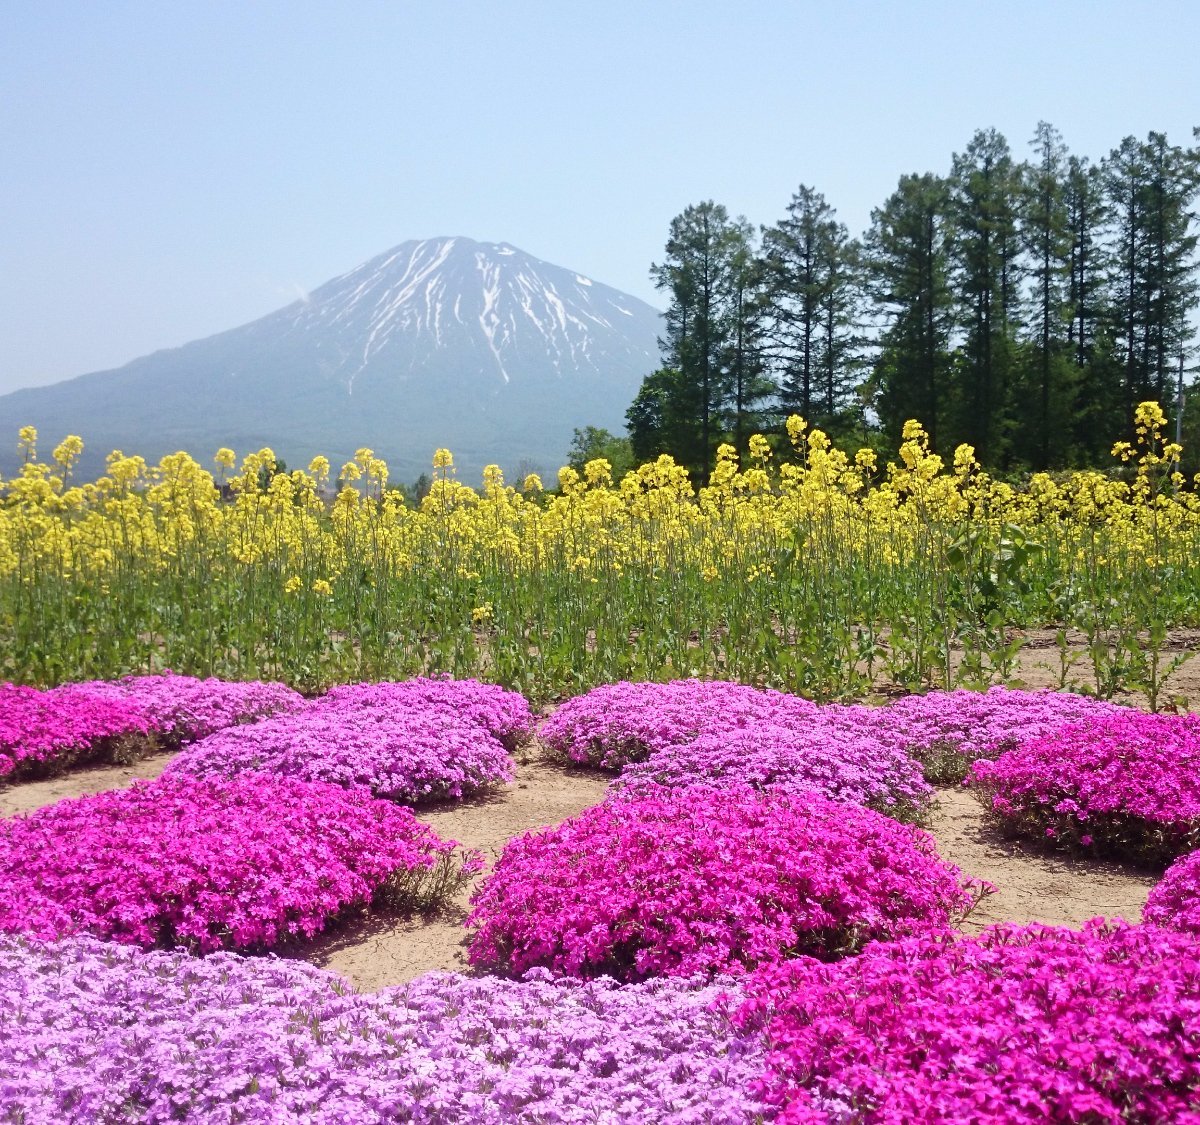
{"type": "Point", "coordinates": [476, 346]}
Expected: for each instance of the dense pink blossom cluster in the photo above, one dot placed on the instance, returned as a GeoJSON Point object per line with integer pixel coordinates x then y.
{"type": "Point", "coordinates": [183, 708]}
{"type": "Point", "coordinates": [502, 713]}
{"type": "Point", "coordinates": [125, 717]}
{"type": "Point", "coordinates": [243, 863]}
{"type": "Point", "coordinates": [947, 730]}
{"type": "Point", "coordinates": [1175, 901]}
{"type": "Point", "coordinates": [431, 741]}
{"type": "Point", "coordinates": [95, 1032]}
{"type": "Point", "coordinates": [1019, 1025]}
{"type": "Point", "coordinates": [1123, 784]}
{"type": "Point", "coordinates": [614, 724]}
{"type": "Point", "coordinates": [834, 752]}
{"type": "Point", "coordinates": [63, 725]}
{"type": "Point", "coordinates": [699, 881]}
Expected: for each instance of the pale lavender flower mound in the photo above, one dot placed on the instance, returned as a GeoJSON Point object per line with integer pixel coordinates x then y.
{"type": "Point", "coordinates": [615, 724]}
{"type": "Point", "coordinates": [183, 708]}
{"type": "Point", "coordinates": [91, 1032]}
{"type": "Point", "coordinates": [502, 713]}
{"type": "Point", "coordinates": [947, 730]}
{"type": "Point", "coordinates": [834, 752]}
{"type": "Point", "coordinates": [402, 749]}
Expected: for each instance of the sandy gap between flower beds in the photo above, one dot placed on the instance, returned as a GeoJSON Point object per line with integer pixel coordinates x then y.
{"type": "Point", "coordinates": [377, 952]}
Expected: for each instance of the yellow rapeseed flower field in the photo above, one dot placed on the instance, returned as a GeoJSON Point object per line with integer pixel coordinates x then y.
{"type": "Point", "coordinates": [816, 571]}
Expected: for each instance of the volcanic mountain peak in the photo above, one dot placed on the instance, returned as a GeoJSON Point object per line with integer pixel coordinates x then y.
{"type": "Point", "coordinates": [475, 346]}
{"type": "Point", "coordinates": [434, 292]}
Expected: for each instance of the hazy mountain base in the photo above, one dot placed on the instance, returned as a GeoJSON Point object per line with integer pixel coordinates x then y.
{"type": "Point", "coordinates": [476, 347]}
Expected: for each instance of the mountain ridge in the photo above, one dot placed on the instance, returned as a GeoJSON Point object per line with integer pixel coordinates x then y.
{"type": "Point", "coordinates": [474, 346]}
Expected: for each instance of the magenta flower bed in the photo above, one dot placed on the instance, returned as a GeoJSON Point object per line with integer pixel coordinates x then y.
{"type": "Point", "coordinates": [64, 725]}
{"type": "Point", "coordinates": [502, 713]}
{"type": "Point", "coordinates": [1175, 901]}
{"type": "Point", "coordinates": [245, 863]}
{"type": "Point", "coordinates": [696, 881]}
{"type": "Point", "coordinates": [834, 753]}
{"type": "Point", "coordinates": [947, 730]}
{"type": "Point", "coordinates": [1020, 1025]}
{"type": "Point", "coordinates": [124, 719]}
{"type": "Point", "coordinates": [1126, 785]}
{"type": "Point", "coordinates": [94, 1032]}
{"type": "Point", "coordinates": [615, 724]}
{"type": "Point", "coordinates": [404, 750]}
{"type": "Point", "coordinates": [183, 708]}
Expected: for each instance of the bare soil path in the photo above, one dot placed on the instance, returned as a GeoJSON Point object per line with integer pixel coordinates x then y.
{"type": "Point", "coordinates": [1032, 885]}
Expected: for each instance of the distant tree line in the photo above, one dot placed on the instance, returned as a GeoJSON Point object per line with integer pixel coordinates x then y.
{"type": "Point", "coordinates": [1024, 307]}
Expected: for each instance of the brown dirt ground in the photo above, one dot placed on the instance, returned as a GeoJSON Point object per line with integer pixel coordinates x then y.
{"type": "Point", "coordinates": [29, 795]}
{"type": "Point", "coordinates": [1032, 885]}
{"type": "Point", "coordinates": [1038, 664]}
{"type": "Point", "coordinates": [377, 951]}
{"type": "Point", "coordinates": [380, 952]}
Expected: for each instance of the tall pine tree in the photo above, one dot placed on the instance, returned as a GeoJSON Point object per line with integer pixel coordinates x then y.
{"type": "Point", "coordinates": [812, 308]}
{"type": "Point", "coordinates": [906, 267]}
{"type": "Point", "coordinates": [1152, 187]}
{"type": "Point", "coordinates": [710, 278]}
{"type": "Point", "coordinates": [986, 273]}
{"type": "Point", "coordinates": [1046, 238]}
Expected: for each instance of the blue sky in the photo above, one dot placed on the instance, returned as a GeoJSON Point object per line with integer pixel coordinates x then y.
{"type": "Point", "coordinates": [174, 169]}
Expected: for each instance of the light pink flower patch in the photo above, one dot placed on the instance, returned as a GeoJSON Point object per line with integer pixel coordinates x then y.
{"type": "Point", "coordinates": [415, 741]}
{"type": "Point", "coordinates": [615, 724]}
{"type": "Point", "coordinates": [948, 730]}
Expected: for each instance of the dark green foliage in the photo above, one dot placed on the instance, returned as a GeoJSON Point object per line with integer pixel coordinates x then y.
{"type": "Point", "coordinates": [813, 299]}
{"type": "Point", "coordinates": [1152, 187]}
{"type": "Point", "coordinates": [1024, 308]}
{"type": "Point", "coordinates": [268, 472]}
{"type": "Point", "coordinates": [593, 443]}
{"type": "Point", "coordinates": [907, 270]}
{"type": "Point", "coordinates": [664, 418]}
{"type": "Point", "coordinates": [985, 275]}
{"type": "Point", "coordinates": [712, 385]}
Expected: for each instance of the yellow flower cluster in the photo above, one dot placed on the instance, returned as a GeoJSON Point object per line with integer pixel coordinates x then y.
{"type": "Point", "coordinates": [746, 520]}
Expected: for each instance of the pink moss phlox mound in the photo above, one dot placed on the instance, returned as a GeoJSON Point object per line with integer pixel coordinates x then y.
{"type": "Point", "coordinates": [64, 723]}
{"type": "Point", "coordinates": [244, 863]}
{"type": "Point", "coordinates": [183, 708]}
{"type": "Point", "coordinates": [95, 1032]}
{"type": "Point", "coordinates": [834, 753]}
{"type": "Point", "coordinates": [615, 724]}
{"type": "Point", "coordinates": [125, 717]}
{"type": "Point", "coordinates": [947, 730]}
{"type": "Point", "coordinates": [1126, 785]}
{"type": "Point", "coordinates": [502, 713]}
{"type": "Point", "coordinates": [402, 749]}
{"type": "Point", "coordinates": [1175, 901]}
{"type": "Point", "coordinates": [697, 881]}
{"type": "Point", "coordinates": [1023, 1024]}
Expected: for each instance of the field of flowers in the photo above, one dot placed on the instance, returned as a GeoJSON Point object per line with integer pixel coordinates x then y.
{"type": "Point", "coordinates": [801, 568]}
{"type": "Point", "coordinates": [751, 926]}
